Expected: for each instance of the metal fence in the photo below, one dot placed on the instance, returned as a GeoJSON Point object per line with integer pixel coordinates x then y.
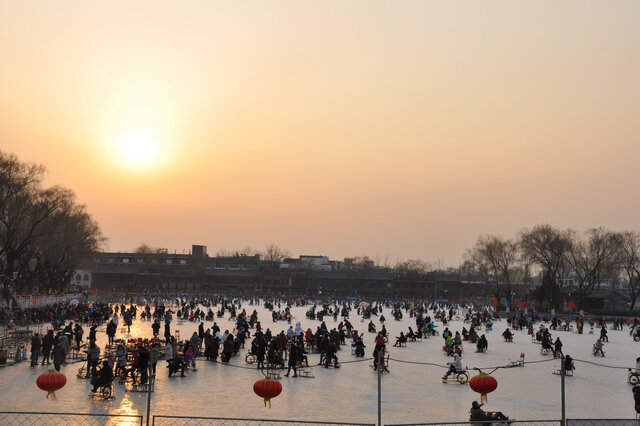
{"type": "Point", "coordinates": [490, 422]}
{"type": "Point", "coordinates": [185, 421]}
{"type": "Point", "coordinates": [32, 418]}
{"type": "Point", "coordinates": [570, 422]}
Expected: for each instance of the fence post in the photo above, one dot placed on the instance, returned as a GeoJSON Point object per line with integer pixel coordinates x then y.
{"type": "Point", "coordinates": [380, 367]}
{"type": "Point", "coordinates": [563, 422]}
{"type": "Point", "coordinates": [149, 403]}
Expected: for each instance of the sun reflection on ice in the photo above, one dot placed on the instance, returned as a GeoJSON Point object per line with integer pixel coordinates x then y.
{"type": "Point", "coordinates": [126, 408]}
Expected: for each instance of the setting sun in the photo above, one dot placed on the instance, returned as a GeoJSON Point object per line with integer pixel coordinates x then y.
{"type": "Point", "coordinates": [139, 148]}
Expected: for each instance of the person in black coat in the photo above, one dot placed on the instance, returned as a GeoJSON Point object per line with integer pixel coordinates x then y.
{"type": "Point", "coordinates": [58, 355]}
{"type": "Point", "coordinates": [47, 344]}
{"type": "Point", "coordinates": [636, 397]}
{"type": "Point", "coordinates": [167, 331]}
{"type": "Point", "coordinates": [111, 331]}
{"type": "Point", "coordinates": [293, 360]}
{"type": "Point", "coordinates": [143, 363]}
{"type": "Point", "coordinates": [104, 377]}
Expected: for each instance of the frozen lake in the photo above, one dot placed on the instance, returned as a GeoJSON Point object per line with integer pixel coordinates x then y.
{"type": "Point", "coordinates": [411, 393]}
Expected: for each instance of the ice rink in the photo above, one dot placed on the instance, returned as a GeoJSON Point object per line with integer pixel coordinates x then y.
{"type": "Point", "coordinates": [410, 393]}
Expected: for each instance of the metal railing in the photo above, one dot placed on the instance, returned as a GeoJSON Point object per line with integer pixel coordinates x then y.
{"type": "Point", "coordinates": [187, 420]}
{"type": "Point", "coordinates": [603, 422]}
{"type": "Point", "coordinates": [48, 418]}
{"type": "Point", "coordinates": [489, 422]}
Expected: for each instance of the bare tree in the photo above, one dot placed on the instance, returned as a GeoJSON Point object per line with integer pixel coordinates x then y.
{"type": "Point", "coordinates": [273, 253]}
{"type": "Point", "coordinates": [590, 257]}
{"type": "Point", "coordinates": [548, 247]}
{"type": "Point", "coordinates": [412, 268]}
{"type": "Point", "coordinates": [44, 233]}
{"type": "Point", "coordinates": [499, 258]}
{"type": "Point", "coordinates": [70, 236]}
{"type": "Point", "coordinates": [629, 262]}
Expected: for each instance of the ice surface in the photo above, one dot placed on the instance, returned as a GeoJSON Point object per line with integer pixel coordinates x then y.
{"type": "Point", "coordinates": [411, 393]}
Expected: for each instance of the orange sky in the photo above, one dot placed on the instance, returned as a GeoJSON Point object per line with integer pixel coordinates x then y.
{"type": "Point", "coordinates": [390, 129]}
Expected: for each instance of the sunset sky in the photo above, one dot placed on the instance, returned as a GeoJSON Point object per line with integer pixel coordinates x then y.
{"type": "Point", "coordinates": [383, 128]}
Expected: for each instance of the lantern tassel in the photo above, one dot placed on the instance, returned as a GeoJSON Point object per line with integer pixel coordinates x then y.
{"type": "Point", "coordinates": [53, 395]}
{"type": "Point", "coordinates": [483, 397]}
{"type": "Point", "coordinates": [267, 400]}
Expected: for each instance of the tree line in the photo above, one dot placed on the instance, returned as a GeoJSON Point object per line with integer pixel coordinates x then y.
{"type": "Point", "coordinates": [586, 258]}
{"type": "Point", "coordinates": [44, 232]}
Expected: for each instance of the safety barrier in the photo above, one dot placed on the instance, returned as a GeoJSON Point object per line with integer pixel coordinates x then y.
{"type": "Point", "coordinates": [33, 418]}
{"type": "Point", "coordinates": [603, 422]}
{"type": "Point", "coordinates": [489, 422]}
{"type": "Point", "coordinates": [186, 420]}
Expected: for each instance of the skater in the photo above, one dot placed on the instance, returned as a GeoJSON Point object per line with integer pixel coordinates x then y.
{"type": "Point", "coordinates": [454, 367]}
{"type": "Point", "coordinates": [482, 344]}
{"type": "Point", "coordinates": [636, 397]}
{"type": "Point", "coordinates": [103, 378]}
{"type": "Point", "coordinates": [478, 413]}
{"type": "Point", "coordinates": [603, 335]}
{"type": "Point", "coordinates": [598, 348]}
{"type": "Point", "coordinates": [557, 348]}
{"type": "Point", "coordinates": [568, 363]}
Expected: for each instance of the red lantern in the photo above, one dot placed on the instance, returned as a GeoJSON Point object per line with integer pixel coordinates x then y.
{"type": "Point", "coordinates": [483, 384]}
{"type": "Point", "coordinates": [267, 388]}
{"type": "Point", "coordinates": [51, 381]}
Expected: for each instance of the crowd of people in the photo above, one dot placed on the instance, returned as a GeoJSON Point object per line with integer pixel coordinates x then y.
{"type": "Point", "coordinates": [288, 348]}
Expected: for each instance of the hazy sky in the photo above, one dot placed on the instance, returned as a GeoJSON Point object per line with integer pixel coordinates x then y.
{"type": "Point", "coordinates": [395, 129]}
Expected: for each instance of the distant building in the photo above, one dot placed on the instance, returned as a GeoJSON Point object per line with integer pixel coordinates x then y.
{"type": "Point", "coordinates": [162, 272]}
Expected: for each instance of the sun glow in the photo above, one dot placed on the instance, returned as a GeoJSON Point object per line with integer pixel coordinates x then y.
{"type": "Point", "coordinates": [139, 148]}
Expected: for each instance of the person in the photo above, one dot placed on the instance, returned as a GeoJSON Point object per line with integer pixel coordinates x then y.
{"type": "Point", "coordinates": [454, 367]}
{"type": "Point", "coordinates": [175, 365]}
{"type": "Point", "coordinates": [259, 350]}
{"type": "Point", "coordinates": [508, 335]}
{"type": "Point", "coordinates": [121, 359]}
{"type": "Point", "coordinates": [477, 413]}
{"type": "Point", "coordinates": [143, 363]}
{"type": "Point", "coordinates": [359, 347]}
{"type": "Point", "coordinates": [111, 331]}
{"type": "Point", "coordinates": [636, 397]}
{"type": "Point", "coordinates": [58, 355]}
{"type": "Point", "coordinates": [603, 335]}
{"type": "Point", "coordinates": [47, 344]}
{"type": "Point", "coordinates": [400, 340]}
{"type": "Point", "coordinates": [568, 363]}
{"type": "Point", "coordinates": [557, 348]}
{"type": "Point", "coordinates": [482, 344]}
{"type": "Point", "coordinates": [293, 360]}
{"type": "Point", "coordinates": [104, 377]}
{"type": "Point", "coordinates": [638, 365]}
{"type": "Point", "coordinates": [36, 343]}
{"type": "Point", "coordinates": [168, 351]}
{"type": "Point", "coordinates": [331, 356]}
{"type": "Point", "coordinates": [93, 356]}
{"type": "Point", "coordinates": [154, 354]}
{"type": "Point", "coordinates": [598, 348]}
